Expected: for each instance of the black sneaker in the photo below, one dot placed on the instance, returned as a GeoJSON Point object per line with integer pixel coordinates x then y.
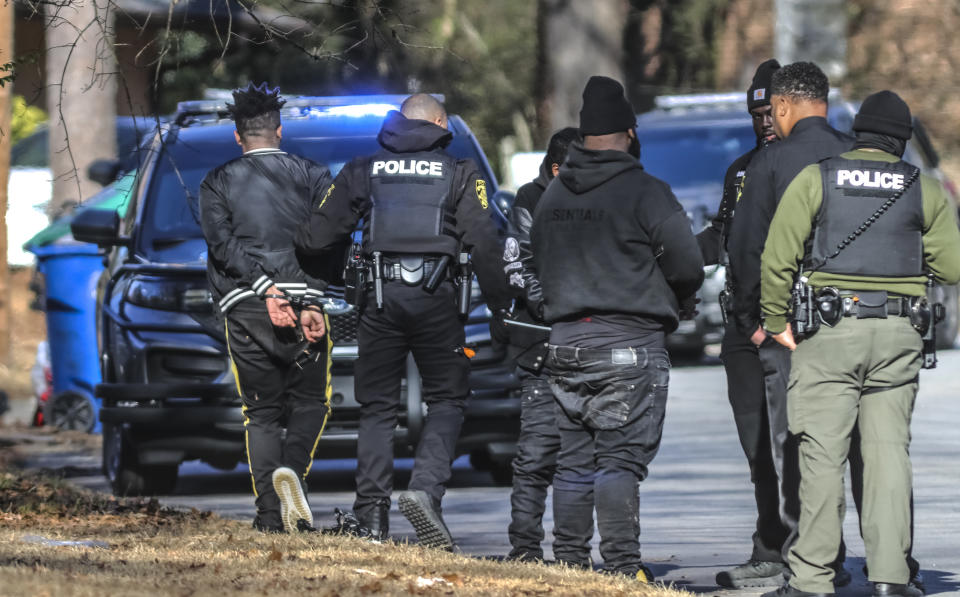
{"type": "Point", "coordinates": [754, 573]}
{"type": "Point", "coordinates": [305, 527]}
{"type": "Point", "coordinates": [260, 525]}
{"type": "Point", "coordinates": [523, 555]}
{"type": "Point", "coordinates": [347, 524]}
{"type": "Point", "coordinates": [788, 591]}
{"type": "Point", "coordinates": [426, 519]}
{"type": "Point", "coordinates": [883, 589]}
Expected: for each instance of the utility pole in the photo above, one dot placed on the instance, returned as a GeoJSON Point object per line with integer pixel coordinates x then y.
{"type": "Point", "coordinates": [6, 136]}
{"type": "Point", "coordinates": [813, 31]}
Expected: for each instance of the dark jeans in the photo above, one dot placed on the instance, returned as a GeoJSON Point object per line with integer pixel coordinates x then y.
{"type": "Point", "coordinates": [748, 399]}
{"type": "Point", "coordinates": [426, 325]}
{"type": "Point", "coordinates": [277, 393]}
{"type": "Point", "coordinates": [534, 465]}
{"type": "Point", "coordinates": [610, 413]}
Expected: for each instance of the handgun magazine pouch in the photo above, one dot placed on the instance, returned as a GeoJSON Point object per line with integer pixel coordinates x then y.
{"type": "Point", "coordinates": [872, 304]}
{"type": "Point", "coordinates": [411, 269]}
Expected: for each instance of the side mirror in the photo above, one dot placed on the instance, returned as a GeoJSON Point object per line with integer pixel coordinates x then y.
{"type": "Point", "coordinates": [104, 172]}
{"type": "Point", "coordinates": [504, 202]}
{"type": "Point", "coordinates": [97, 226]}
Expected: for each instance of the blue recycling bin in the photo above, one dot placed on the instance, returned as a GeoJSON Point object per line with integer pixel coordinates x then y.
{"type": "Point", "coordinates": [71, 272]}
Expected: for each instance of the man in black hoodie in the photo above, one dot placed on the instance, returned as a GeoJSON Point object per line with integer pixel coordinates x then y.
{"type": "Point", "coordinates": [539, 441]}
{"type": "Point", "coordinates": [420, 207]}
{"type": "Point", "coordinates": [616, 258]}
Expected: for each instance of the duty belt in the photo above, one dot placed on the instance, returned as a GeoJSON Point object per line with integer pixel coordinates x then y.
{"type": "Point", "coordinates": [854, 306]}
{"type": "Point", "coordinates": [413, 269]}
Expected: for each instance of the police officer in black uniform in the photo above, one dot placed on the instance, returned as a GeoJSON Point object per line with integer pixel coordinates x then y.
{"type": "Point", "coordinates": [616, 258]}
{"type": "Point", "coordinates": [539, 441]}
{"type": "Point", "coordinates": [420, 208]}
{"type": "Point", "coordinates": [249, 210]}
{"type": "Point", "coordinates": [742, 364]}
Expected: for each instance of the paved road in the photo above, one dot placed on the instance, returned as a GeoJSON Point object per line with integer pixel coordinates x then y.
{"type": "Point", "coordinates": [696, 507]}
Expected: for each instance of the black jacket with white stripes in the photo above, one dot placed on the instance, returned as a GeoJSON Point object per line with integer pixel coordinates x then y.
{"type": "Point", "coordinates": [250, 208]}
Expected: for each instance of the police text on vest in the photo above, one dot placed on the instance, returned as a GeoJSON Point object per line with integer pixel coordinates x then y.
{"type": "Point", "coordinates": [415, 167]}
{"type": "Point", "coordinates": [871, 179]}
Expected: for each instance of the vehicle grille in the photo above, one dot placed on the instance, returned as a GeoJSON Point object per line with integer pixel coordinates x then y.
{"type": "Point", "coordinates": [344, 327]}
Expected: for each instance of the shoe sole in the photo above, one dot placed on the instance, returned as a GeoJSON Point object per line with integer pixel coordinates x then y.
{"type": "Point", "coordinates": [293, 504]}
{"type": "Point", "coordinates": [775, 580]}
{"type": "Point", "coordinates": [431, 532]}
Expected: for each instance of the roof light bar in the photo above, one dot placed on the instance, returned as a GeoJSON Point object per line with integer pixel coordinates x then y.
{"type": "Point", "coordinates": [217, 106]}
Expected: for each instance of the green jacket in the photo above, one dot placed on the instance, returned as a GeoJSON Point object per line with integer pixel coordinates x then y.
{"type": "Point", "coordinates": [792, 225]}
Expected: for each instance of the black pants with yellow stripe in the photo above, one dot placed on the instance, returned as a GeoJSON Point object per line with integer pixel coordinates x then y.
{"type": "Point", "coordinates": [284, 383]}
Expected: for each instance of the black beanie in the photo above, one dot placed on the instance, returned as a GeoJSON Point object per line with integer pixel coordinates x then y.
{"type": "Point", "coordinates": [759, 92]}
{"type": "Point", "coordinates": [605, 108]}
{"type": "Point", "coordinates": [885, 113]}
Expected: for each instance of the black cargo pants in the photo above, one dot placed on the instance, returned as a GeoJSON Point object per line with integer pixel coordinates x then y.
{"type": "Point", "coordinates": [281, 386]}
{"type": "Point", "coordinates": [610, 412]}
{"type": "Point", "coordinates": [533, 466]}
{"type": "Point", "coordinates": [748, 399]}
{"type": "Point", "coordinates": [428, 326]}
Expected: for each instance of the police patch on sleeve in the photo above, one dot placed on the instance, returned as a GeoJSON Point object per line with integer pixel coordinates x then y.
{"type": "Point", "coordinates": [482, 192]}
{"type": "Point", "coordinates": [511, 249]}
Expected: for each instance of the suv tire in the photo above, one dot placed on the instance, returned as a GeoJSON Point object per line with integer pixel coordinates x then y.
{"type": "Point", "coordinates": [127, 477]}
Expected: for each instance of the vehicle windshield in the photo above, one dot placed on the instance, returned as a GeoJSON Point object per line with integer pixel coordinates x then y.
{"type": "Point", "coordinates": [688, 156]}
{"type": "Point", "coordinates": [171, 231]}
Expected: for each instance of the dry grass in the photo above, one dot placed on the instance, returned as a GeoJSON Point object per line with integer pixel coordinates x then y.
{"type": "Point", "coordinates": [156, 551]}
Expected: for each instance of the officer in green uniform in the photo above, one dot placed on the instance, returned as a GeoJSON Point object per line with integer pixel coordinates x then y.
{"type": "Point", "coordinates": [867, 266]}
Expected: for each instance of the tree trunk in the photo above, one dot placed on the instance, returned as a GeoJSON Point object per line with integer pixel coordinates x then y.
{"type": "Point", "coordinates": [81, 94]}
{"type": "Point", "coordinates": [6, 100]}
{"type": "Point", "coordinates": [577, 40]}
{"type": "Point", "coordinates": [813, 30]}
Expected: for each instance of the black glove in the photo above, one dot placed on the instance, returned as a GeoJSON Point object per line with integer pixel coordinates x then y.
{"type": "Point", "coordinates": [688, 308]}
{"type": "Point", "coordinates": [499, 331]}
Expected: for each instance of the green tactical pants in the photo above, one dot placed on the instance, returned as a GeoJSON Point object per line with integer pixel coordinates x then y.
{"type": "Point", "coordinates": [866, 368]}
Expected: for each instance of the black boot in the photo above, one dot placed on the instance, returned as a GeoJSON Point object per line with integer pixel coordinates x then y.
{"type": "Point", "coordinates": [755, 573]}
{"type": "Point", "coordinates": [882, 589]}
{"type": "Point", "coordinates": [426, 519]}
{"type": "Point", "coordinates": [377, 519]}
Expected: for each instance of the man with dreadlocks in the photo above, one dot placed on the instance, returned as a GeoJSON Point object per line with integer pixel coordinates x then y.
{"type": "Point", "coordinates": [249, 210]}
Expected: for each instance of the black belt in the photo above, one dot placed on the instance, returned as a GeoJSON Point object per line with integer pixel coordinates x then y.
{"type": "Point", "coordinates": [617, 356]}
{"type": "Point", "coordinates": [898, 306]}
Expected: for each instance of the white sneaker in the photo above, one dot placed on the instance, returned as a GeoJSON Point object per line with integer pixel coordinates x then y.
{"type": "Point", "coordinates": [293, 504]}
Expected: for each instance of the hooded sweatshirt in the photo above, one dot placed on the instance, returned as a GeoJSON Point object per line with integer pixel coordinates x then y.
{"type": "Point", "coordinates": [335, 216]}
{"type": "Point", "coordinates": [612, 240]}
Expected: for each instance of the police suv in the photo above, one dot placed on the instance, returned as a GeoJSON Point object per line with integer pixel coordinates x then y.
{"type": "Point", "coordinates": [168, 392]}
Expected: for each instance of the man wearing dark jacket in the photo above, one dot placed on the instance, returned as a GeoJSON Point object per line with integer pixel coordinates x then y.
{"type": "Point", "coordinates": [420, 207]}
{"type": "Point", "coordinates": [744, 370]}
{"type": "Point", "coordinates": [799, 99]}
{"type": "Point", "coordinates": [539, 441]}
{"type": "Point", "coordinates": [249, 209]}
{"type": "Point", "coordinates": [615, 257]}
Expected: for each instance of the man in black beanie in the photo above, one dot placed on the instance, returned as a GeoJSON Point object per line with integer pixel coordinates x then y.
{"type": "Point", "coordinates": [615, 258]}
{"type": "Point", "coordinates": [866, 226]}
{"type": "Point", "coordinates": [744, 371]}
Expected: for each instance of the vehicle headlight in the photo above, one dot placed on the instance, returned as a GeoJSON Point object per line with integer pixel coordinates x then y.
{"type": "Point", "coordinates": [170, 295]}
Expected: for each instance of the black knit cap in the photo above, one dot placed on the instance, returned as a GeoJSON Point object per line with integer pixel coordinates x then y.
{"type": "Point", "coordinates": [885, 113]}
{"type": "Point", "coordinates": [605, 108]}
{"type": "Point", "coordinates": [759, 92]}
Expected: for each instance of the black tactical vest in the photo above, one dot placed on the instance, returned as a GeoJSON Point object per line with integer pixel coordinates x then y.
{"type": "Point", "coordinates": [411, 209]}
{"type": "Point", "coordinates": [852, 191]}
